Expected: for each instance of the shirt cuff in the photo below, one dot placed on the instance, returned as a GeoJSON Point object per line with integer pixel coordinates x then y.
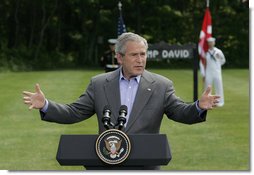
{"type": "Point", "coordinates": [45, 107]}
{"type": "Point", "coordinates": [200, 111]}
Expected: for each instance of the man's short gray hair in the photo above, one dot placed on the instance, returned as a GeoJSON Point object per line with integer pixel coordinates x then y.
{"type": "Point", "coordinates": [124, 38]}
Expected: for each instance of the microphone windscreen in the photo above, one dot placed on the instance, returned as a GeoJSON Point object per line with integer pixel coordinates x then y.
{"type": "Point", "coordinates": [106, 107]}
{"type": "Point", "coordinates": [123, 108]}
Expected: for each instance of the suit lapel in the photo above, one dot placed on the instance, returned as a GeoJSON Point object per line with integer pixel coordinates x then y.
{"type": "Point", "coordinates": [112, 92]}
{"type": "Point", "coordinates": [144, 93]}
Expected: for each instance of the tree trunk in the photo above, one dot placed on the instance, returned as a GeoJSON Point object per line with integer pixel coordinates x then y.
{"type": "Point", "coordinates": [138, 24]}
{"type": "Point", "coordinates": [45, 23]}
{"type": "Point", "coordinates": [16, 22]}
{"type": "Point", "coordinates": [33, 17]}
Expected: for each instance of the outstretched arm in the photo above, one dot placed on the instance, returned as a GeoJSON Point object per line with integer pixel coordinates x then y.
{"type": "Point", "coordinates": [208, 101]}
{"type": "Point", "coordinates": [80, 110]}
{"type": "Point", "coordinates": [34, 100]}
{"type": "Point", "coordinates": [182, 112]}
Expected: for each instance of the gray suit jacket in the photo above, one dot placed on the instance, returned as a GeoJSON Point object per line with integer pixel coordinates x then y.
{"type": "Point", "coordinates": [155, 97]}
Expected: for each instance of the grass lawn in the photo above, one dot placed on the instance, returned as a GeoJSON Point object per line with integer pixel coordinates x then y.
{"type": "Point", "coordinates": [220, 143]}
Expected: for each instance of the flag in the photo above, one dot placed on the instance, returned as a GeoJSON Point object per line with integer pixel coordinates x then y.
{"type": "Point", "coordinates": [205, 33]}
{"type": "Point", "coordinates": [121, 28]}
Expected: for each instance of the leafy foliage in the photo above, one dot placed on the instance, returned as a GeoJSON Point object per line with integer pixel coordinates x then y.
{"type": "Point", "coordinates": [48, 34]}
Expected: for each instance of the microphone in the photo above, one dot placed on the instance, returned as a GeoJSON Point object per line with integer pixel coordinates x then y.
{"type": "Point", "coordinates": [122, 116]}
{"type": "Point", "coordinates": [106, 116]}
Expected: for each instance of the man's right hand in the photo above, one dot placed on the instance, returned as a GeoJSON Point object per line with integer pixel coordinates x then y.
{"type": "Point", "coordinates": [34, 100]}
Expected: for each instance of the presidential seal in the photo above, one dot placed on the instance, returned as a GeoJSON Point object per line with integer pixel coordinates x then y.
{"type": "Point", "coordinates": [113, 146]}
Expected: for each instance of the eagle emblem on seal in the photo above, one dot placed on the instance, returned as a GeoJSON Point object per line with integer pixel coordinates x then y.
{"type": "Point", "coordinates": [113, 145]}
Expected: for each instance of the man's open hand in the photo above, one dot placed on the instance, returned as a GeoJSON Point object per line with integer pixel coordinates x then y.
{"type": "Point", "coordinates": [34, 100]}
{"type": "Point", "coordinates": [208, 101]}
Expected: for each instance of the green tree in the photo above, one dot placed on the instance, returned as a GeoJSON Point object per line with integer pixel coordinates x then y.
{"type": "Point", "coordinates": [46, 34]}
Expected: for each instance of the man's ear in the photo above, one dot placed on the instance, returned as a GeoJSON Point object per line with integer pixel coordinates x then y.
{"type": "Point", "coordinates": [119, 58]}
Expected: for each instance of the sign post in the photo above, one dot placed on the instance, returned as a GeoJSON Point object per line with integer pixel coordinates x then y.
{"type": "Point", "coordinates": [195, 74]}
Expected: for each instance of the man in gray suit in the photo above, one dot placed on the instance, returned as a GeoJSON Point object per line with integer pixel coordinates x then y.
{"type": "Point", "coordinates": [148, 96]}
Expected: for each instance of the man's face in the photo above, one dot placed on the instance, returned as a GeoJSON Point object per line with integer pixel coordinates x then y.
{"type": "Point", "coordinates": [211, 44]}
{"type": "Point", "coordinates": [134, 59]}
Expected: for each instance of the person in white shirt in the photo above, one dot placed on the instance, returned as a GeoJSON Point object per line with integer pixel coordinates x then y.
{"type": "Point", "coordinates": [214, 60]}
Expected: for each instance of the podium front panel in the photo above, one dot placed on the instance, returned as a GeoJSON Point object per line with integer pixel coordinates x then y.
{"type": "Point", "coordinates": [146, 150]}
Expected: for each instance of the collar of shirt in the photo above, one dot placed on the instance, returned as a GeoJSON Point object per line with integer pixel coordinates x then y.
{"type": "Point", "coordinates": [211, 50]}
{"type": "Point", "coordinates": [137, 78]}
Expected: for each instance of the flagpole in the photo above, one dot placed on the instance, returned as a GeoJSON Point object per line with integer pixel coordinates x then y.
{"type": "Point", "coordinates": [207, 3]}
{"type": "Point", "coordinates": [120, 6]}
{"type": "Point", "coordinates": [120, 18]}
{"type": "Point", "coordinates": [121, 26]}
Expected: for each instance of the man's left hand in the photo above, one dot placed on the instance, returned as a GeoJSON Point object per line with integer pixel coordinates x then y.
{"type": "Point", "coordinates": [208, 101]}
